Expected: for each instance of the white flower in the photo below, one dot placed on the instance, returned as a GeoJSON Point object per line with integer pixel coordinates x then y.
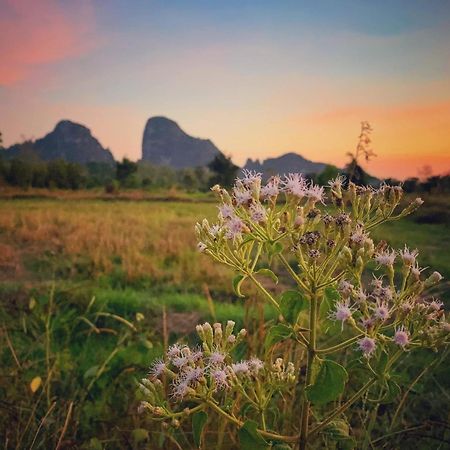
{"type": "Point", "coordinates": [250, 177]}
{"type": "Point", "coordinates": [315, 193]}
{"type": "Point", "coordinates": [258, 213]}
{"type": "Point", "coordinates": [271, 189]}
{"type": "Point", "coordinates": [408, 256]}
{"type": "Point", "coordinates": [157, 368]}
{"type": "Point", "coordinates": [226, 211]}
{"type": "Point", "coordinates": [295, 184]}
{"type": "Point", "coordinates": [386, 257]}
{"type": "Point", "coordinates": [235, 227]}
{"type": "Point", "coordinates": [242, 196]}
{"type": "Point", "coordinates": [240, 368]}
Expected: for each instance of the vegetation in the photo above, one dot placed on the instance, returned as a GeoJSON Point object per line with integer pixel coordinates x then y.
{"type": "Point", "coordinates": [137, 260]}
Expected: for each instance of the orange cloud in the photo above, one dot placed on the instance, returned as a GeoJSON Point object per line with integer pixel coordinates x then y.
{"type": "Point", "coordinates": [35, 33]}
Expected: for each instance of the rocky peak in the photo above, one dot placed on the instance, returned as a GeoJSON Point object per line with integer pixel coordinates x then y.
{"type": "Point", "coordinates": [165, 143]}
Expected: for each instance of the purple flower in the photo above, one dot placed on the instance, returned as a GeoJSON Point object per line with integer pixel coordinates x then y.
{"type": "Point", "coordinates": [240, 368]}
{"type": "Point", "coordinates": [343, 312]}
{"type": "Point", "coordinates": [381, 311]}
{"type": "Point", "coordinates": [345, 288]}
{"type": "Point", "coordinates": [250, 177]}
{"type": "Point", "coordinates": [271, 189]}
{"type": "Point", "coordinates": [180, 389]}
{"type": "Point", "coordinates": [255, 365]}
{"type": "Point", "coordinates": [192, 375]}
{"type": "Point", "coordinates": [242, 196]}
{"type": "Point", "coordinates": [258, 213]}
{"type": "Point", "coordinates": [216, 358]}
{"type": "Point", "coordinates": [173, 351]}
{"type": "Point", "coordinates": [358, 236]}
{"type": "Point", "coordinates": [367, 345]}
{"type": "Point", "coordinates": [401, 337]}
{"type": "Point", "coordinates": [226, 211]}
{"type": "Point", "coordinates": [157, 368]}
{"type": "Point", "coordinates": [235, 227]}
{"type": "Point", "coordinates": [220, 378]}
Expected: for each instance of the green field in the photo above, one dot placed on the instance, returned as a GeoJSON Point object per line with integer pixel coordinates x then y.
{"type": "Point", "coordinates": [92, 290]}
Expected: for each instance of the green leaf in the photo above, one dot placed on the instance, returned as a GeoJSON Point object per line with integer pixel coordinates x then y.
{"type": "Point", "coordinates": [198, 422]}
{"type": "Point", "coordinates": [249, 437]}
{"type": "Point", "coordinates": [237, 282]}
{"type": "Point", "coordinates": [338, 431]}
{"type": "Point", "coordinates": [291, 304]}
{"type": "Point", "coordinates": [382, 362]}
{"type": "Point", "coordinates": [267, 273]}
{"type": "Point", "coordinates": [274, 249]}
{"type": "Point", "coordinates": [91, 372]}
{"type": "Point", "coordinates": [329, 383]}
{"type": "Point", "coordinates": [277, 333]}
{"type": "Point", "coordinates": [330, 298]}
{"type": "Point", "coordinates": [393, 390]}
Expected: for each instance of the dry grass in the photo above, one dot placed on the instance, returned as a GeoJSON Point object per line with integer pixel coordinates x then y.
{"type": "Point", "coordinates": [140, 239]}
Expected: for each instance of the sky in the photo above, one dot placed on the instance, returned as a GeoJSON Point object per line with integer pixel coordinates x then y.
{"type": "Point", "coordinates": [258, 78]}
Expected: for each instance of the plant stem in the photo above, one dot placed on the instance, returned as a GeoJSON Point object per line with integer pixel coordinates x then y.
{"type": "Point", "coordinates": [311, 355]}
{"type": "Point", "coordinates": [342, 408]}
{"type": "Point", "coordinates": [340, 346]}
{"type": "Point", "coordinates": [265, 292]}
{"type": "Point", "coordinates": [239, 423]}
{"type": "Point", "coordinates": [292, 272]}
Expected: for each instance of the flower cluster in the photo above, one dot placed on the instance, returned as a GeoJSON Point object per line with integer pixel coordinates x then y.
{"type": "Point", "coordinates": [208, 370]}
{"type": "Point", "coordinates": [320, 236]}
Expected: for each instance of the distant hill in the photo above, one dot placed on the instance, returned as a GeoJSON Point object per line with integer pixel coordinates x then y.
{"type": "Point", "coordinates": [289, 162]}
{"type": "Point", "coordinates": [165, 143]}
{"type": "Point", "coordinates": [69, 141]}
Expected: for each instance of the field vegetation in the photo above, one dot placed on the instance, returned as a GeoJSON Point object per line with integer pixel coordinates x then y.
{"type": "Point", "coordinates": [93, 288]}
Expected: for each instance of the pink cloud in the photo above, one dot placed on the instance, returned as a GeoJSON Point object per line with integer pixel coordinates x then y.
{"type": "Point", "coordinates": [36, 33]}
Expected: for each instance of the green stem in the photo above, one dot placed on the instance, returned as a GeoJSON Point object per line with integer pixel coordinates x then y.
{"type": "Point", "coordinates": [311, 355]}
{"type": "Point", "coordinates": [340, 346]}
{"type": "Point", "coordinates": [342, 408]}
{"type": "Point", "coordinates": [239, 423]}
{"type": "Point", "coordinates": [292, 273]}
{"type": "Point", "coordinates": [265, 292]}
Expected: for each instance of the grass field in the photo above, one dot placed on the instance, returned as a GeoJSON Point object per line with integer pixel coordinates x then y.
{"type": "Point", "coordinates": [92, 289]}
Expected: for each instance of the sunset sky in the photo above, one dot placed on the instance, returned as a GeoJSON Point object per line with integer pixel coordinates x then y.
{"type": "Point", "coordinates": [259, 78]}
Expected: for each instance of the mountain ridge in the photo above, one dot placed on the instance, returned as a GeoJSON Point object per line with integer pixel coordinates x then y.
{"type": "Point", "coordinates": [68, 140]}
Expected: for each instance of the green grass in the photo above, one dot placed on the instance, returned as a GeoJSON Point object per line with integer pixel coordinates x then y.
{"type": "Point", "coordinates": [134, 258]}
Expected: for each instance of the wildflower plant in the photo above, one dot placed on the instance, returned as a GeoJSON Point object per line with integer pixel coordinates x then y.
{"type": "Point", "coordinates": [355, 310]}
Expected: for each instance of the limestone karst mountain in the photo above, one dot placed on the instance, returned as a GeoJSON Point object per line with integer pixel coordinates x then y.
{"type": "Point", "coordinates": [289, 162]}
{"type": "Point", "coordinates": [69, 141]}
{"type": "Point", "coordinates": [165, 143]}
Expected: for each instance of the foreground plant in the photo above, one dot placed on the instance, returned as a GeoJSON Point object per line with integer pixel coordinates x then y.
{"type": "Point", "coordinates": [357, 308]}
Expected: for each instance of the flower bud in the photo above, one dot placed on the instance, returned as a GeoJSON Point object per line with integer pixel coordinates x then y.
{"type": "Point", "coordinates": [433, 279]}
{"type": "Point", "coordinates": [229, 328]}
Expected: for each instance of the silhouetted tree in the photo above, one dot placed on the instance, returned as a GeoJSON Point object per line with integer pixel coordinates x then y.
{"type": "Point", "coordinates": [224, 171]}
{"type": "Point", "coordinates": [411, 184]}
{"type": "Point", "coordinates": [20, 173]}
{"type": "Point", "coordinates": [124, 170]}
{"type": "Point", "coordinates": [57, 174]}
{"type": "Point", "coordinates": [327, 174]}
